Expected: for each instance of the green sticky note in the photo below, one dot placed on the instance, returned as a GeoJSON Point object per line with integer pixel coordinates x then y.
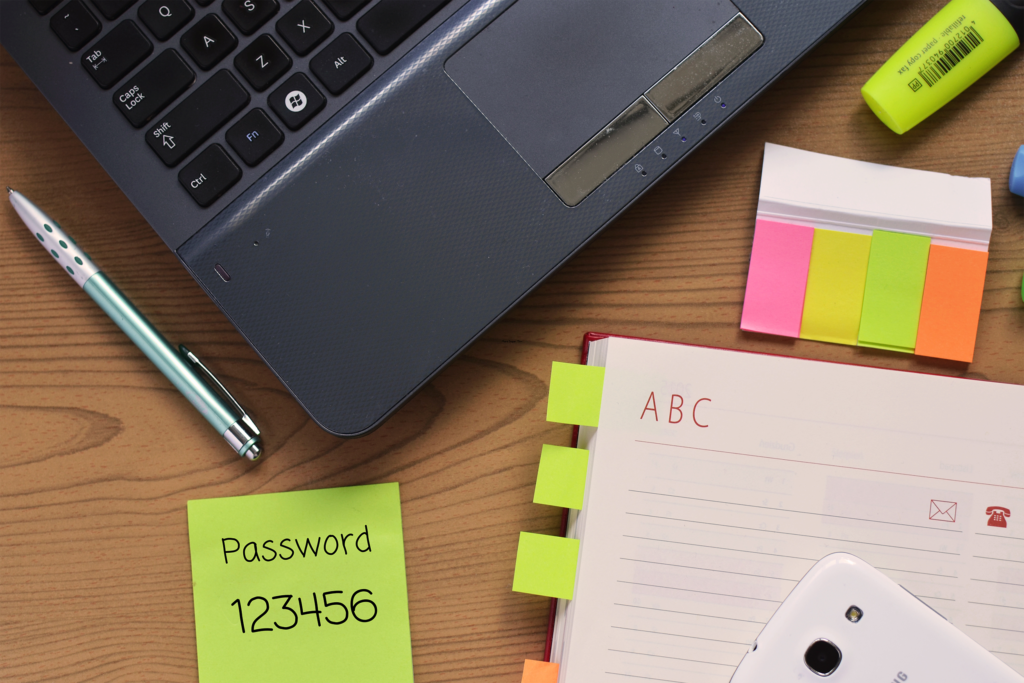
{"type": "Point", "coordinates": [835, 286]}
{"type": "Point", "coordinates": [304, 586]}
{"type": "Point", "coordinates": [546, 565]}
{"type": "Point", "coordinates": [561, 477]}
{"type": "Point", "coordinates": [575, 394]}
{"type": "Point", "coordinates": [892, 291]}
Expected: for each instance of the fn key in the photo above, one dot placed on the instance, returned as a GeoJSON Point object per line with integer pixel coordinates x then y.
{"type": "Point", "coordinates": [209, 175]}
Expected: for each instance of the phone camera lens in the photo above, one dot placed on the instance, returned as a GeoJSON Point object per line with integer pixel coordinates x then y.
{"type": "Point", "coordinates": [822, 657]}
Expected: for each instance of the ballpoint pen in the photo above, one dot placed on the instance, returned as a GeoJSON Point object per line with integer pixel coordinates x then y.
{"type": "Point", "coordinates": [186, 372]}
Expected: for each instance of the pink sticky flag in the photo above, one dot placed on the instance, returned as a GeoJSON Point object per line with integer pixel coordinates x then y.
{"type": "Point", "coordinates": [777, 279]}
{"type": "Point", "coordinates": [540, 672]}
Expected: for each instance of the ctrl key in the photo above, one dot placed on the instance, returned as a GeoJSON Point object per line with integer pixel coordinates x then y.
{"type": "Point", "coordinates": [209, 175]}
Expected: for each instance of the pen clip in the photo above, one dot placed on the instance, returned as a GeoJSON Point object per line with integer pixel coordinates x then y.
{"type": "Point", "coordinates": [211, 379]}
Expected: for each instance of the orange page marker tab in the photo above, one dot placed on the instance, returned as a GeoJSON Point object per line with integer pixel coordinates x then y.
{"type": "Point", "coordinates": [951, 304]}
{"type": "Point", "coordinates": [540, 672]}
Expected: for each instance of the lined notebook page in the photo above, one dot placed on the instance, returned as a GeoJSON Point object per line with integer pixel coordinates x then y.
{"type": "Point", "coordinates": [700, 519]}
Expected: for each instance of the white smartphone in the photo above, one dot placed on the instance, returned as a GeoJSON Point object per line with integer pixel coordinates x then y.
{"type": "Point", "coordinates": [847, 622]}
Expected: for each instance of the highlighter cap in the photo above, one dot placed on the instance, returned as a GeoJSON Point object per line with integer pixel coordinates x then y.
{"type": "Point", "coordinates": [957, 46]}
{"type": "Point", "coordinates": [1017, 173]}
{"type": "Point", "coordinates": [1013, 10]}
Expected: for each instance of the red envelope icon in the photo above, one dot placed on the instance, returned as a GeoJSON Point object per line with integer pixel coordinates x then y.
{"type": "Point", "coordinates": [942, 511]}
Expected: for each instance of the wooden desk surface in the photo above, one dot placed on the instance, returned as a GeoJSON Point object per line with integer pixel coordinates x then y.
{"type": "Point", "coordinates": [99, 454]}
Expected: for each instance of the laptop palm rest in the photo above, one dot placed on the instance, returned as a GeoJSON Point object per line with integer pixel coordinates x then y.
{"type": "Point", "coordinates": [577, 87]}
{"type": "Point", "coordinates": [395, 234]}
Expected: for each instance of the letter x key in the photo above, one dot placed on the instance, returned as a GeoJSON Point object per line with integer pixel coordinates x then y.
{"type": "Point", "coordinates": [304, 27]}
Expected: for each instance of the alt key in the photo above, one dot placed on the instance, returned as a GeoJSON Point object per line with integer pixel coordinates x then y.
{"type": "Point", "coordinates": [209, 175]}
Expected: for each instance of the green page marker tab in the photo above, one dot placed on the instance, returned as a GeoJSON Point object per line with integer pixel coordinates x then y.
{"type": "Point", "coordinates": [835, 286]}
{"type": "Point", "coordinates": [893, 290]}
{"type": "Point", "coordinates": [301, 586]}
{"type": "Point", "coordinates": [546, 565]}
{"type": "Point", "coordinates": [575, 394]}
{"type": "Point", "coordinates": [561, 477]}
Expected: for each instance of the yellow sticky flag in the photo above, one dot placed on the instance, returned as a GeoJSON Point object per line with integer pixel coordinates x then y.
{"type": "Point", "coordinates": [835, 286]}
{"type": "Point", "coordinates": [561, 477]}
{"type": "Point", "coordinates": [546, 565]}
{"type": "Point", "coordinates": [574, 396]}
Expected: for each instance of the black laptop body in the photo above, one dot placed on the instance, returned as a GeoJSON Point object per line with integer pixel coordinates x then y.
{"type": "Point", "coordinates": [363, 201]}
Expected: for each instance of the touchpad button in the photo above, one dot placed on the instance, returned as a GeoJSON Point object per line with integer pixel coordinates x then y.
{"type": "Point", "coordinates": [550, 74]}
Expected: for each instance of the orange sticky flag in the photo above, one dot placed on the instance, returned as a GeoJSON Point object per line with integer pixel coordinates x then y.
{"type": "Point", "coordinates": [951, 303]}
{"type": "Point", "coordinates": [540, 672]}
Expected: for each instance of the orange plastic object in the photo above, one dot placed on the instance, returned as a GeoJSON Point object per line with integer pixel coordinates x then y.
{"type": "Point", "coordinates": [951, 303]}
{"type": "Point", "coordinates": [540, 672]}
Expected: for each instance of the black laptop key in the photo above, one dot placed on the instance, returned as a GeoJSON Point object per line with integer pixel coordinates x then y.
{"type": "Point", "coordinates": [112, 9]}
{"type": "Point", "coordinates": [209, 175]}
{"type": "Point", "coordinates": [43, 6]}
{"type": "Point", "coordinates": [74, 25]}
{"type": "Point", "coordinates": [296, 101]}
{"type": "Point", "coordinates": [254, 137]}
{"type": "Point", "coordinates": [203, 3]}
{"type": "Point", "coordinates": [155, 86]}
{"type": "Point", "coordinates": [262, 62]}
{"type": "Point", "coordinates": [165, 17]}
{"type": "Point", "coordinates": [304, 27]}
{"type": "Point", "coordinates": [340, 63]}
{"type": "Point", "coordinates": [249, 15]}
{"type": "Point", "coordinates": [389, 22]}
{"type": "Point", "coordinates": [208, 42]}
{"type": "Point", "coordinates": [116, 53]}
{"type": "Point", "coordinates": [345, 9]}
{"type": "Point", "coordinates": [198, 116]}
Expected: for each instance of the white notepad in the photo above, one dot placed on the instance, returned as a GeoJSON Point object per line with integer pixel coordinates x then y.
{"type": "Point", "coordinates": [833, 193]}
{"type": "Point", "coordinates": [698, 520]}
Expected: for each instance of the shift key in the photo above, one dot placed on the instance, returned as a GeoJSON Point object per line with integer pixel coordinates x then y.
{"type": "Point", "coordinates": [198, 117]}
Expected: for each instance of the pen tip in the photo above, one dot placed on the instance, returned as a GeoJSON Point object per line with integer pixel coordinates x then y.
{"type": "Point", "coordinates": [254, 453]}
{"type": "Point", "coordinates": [9, 190]}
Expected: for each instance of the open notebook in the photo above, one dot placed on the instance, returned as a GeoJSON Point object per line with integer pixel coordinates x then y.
{"type": "Point", "coordinates": [717, 478]}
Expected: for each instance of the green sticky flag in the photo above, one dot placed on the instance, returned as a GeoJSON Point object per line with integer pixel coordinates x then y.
{"type": "Point", "coordinates": [893, 290]}
{"type": "Point", "coordinates": [561, 477]}
{"type": "Point", "coordinates": [835, 286]}
{"type": "Point", "coordinates": [575, 394]}
{"type": "Point", "coordinates": [303, 586]}
{"type": "Point", "coordinates": [546, 565]}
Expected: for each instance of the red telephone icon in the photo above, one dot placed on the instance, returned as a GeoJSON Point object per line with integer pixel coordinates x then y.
{"type": "Point", "coordinates": [997, 516]}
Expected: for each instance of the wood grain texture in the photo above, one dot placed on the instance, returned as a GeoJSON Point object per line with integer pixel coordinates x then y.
{"type": "Point", "coordinates": [99, 454]}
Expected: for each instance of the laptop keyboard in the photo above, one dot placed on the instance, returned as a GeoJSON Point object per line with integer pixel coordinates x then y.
{"type": "Point", "coordinates": [261, 34]}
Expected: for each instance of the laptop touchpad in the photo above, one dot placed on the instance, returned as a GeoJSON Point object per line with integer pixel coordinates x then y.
{"type": "Point", "coordinates": [550, 76]}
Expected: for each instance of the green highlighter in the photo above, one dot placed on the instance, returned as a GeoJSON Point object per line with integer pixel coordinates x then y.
{"type": "Point", "coordinates": [955, 48]}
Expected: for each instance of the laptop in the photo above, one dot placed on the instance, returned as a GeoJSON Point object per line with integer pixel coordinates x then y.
{"type": "Point", "coordinates": [365, 186]}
